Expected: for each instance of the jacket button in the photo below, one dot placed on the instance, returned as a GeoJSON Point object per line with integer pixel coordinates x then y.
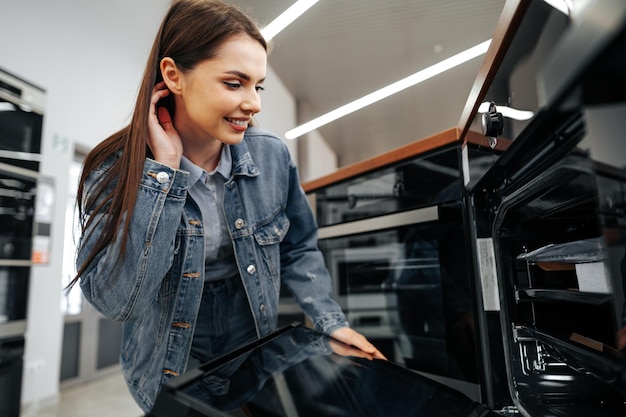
{"type": "Point", "coordinates": [251, 269]}
{"type": "Point", "coordinates": [262, 308]}
{"type": "Point", "coordinates": [162, 177]}
{"type": "Point", "coordinates": [238, 223]}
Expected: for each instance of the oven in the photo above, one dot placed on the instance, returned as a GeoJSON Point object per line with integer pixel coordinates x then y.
{"type": "Point", "coordinates": [17, 210]}
{"type": "Point", "coordinates": [21, 121]}
{"type": "Point", "coordinates": [549, 216]}
{"type": "Point", "coordinates": [407, 286]}
{"type": "Point", "coordinates": [394, 241]}
{"type": "Point", "coordinates": [14, 283]}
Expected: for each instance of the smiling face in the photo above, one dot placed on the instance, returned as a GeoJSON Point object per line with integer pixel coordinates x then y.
{"type": "Point", "coordinates": [216, 100]}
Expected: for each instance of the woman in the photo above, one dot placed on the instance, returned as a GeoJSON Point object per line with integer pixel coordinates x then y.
{"type": "Point", "coordinates": [190, 216]}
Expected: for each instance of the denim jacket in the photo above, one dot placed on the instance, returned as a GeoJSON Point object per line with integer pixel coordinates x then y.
{"type": "Point", "coordinates": [157, 289]}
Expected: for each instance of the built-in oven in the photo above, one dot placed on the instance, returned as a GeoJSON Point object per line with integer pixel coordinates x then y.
{"type": "Point", "coordinates": [14, 283]}
{"type": "Point", "coordinates": [394, 241]}
{"type": "Point", "coordinates": [549, 216]}
{"type": "Point", "coordinates": [408, 284]}
{"type": "Point", "coordinates": [18, 187]}
{"type": "Point", "coordinates": [21, 120]}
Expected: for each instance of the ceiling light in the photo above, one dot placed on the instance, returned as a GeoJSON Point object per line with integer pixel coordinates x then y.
{"type": "Point", "coordinates": [288, 16]}
{"type": "Point", "coordinates": [391, 89]}
{"type": "Point", "coordinates": [509, 112]}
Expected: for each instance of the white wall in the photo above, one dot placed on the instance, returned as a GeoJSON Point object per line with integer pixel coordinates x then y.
{"type": "Point", "coordinates": [278, 110]}
{"type": "Point", "coordinates": [315, 155]}
{"type": "Point", "coordinates": [89, 57]}
{"type": "Point", "coordinates": [317, 158]}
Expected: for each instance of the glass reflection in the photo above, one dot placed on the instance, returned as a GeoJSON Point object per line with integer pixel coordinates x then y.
{"type": "Point", "coordinates": [301, 372]}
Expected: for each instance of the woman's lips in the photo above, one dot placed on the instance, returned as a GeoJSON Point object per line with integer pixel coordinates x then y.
{"type": "Point", "coordinates": [238, 124]}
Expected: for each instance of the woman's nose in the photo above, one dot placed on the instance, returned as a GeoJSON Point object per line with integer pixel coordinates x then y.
{"type": "Point", "coordinates": [252, 102]}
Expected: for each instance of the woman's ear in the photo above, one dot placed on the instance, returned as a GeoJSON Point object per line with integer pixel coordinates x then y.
{"type": "Point", "coordinates": [171, 75]}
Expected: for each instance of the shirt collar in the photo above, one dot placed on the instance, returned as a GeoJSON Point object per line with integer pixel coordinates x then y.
{"type": "Point", "coordinates": [224, 167]}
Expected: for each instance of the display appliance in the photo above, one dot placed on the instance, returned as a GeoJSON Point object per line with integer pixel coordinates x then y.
{"type": "Point", "coordinates": [548, 218]}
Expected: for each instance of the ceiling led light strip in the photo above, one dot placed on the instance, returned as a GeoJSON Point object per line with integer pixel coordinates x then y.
{"type": "Point", "coordinates": [391, 89]}
{"type": "Point", "coordinates": [286, 18]}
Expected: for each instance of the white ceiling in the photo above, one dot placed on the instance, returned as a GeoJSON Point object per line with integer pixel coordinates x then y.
{"type": "Point", "coordinates": [341, 50]}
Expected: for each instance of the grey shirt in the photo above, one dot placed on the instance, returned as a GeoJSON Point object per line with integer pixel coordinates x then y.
{"type": "Point", "coordinates": [207, 190]}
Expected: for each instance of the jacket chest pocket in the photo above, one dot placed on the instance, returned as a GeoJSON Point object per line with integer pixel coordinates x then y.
{"type": "Point", "coordinates": [268, 238]}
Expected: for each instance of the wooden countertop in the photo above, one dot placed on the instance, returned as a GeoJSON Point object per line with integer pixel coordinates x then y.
{"type": "Point", "coordinates": [418, 147]}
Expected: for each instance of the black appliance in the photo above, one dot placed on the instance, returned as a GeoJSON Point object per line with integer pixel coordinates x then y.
{"type": "Point", "coordinates": [11, 362]}
{"type": "Point", "coordinates": [549, 217]}
{"type": "Point", "coordinates": [394, 241]}
{"type": "Point", "coordinates": [298, 372]}
{"type": "Point", "coordinates": [18, 188]}
{"type": "Point", "coordinates": [20, 144]}
{"type": "Point", "coordinates": [21, 119]}
{"type": "Point", "coordinates": [14, 283]}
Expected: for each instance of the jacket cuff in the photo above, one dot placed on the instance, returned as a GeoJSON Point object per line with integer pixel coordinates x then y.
{"type": "Point", "coordinates": [331, 322]}
{"type": "Point", "coordinates": [164, 178]}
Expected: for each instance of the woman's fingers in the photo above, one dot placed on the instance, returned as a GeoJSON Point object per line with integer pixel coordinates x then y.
{"type": "Point", "coordinates": [163, 139]}
{"type": "Point", "coordinates": [351, 337]}
{"type": "Point", "coordinates": [165, 120]}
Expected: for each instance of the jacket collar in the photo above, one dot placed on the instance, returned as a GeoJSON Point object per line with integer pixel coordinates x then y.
{"type": "Point", "coordinates": [242, 160]}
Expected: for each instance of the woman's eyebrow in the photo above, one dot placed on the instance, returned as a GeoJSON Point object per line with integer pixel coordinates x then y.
{"type": "Point", "coordinates": [242, 75]}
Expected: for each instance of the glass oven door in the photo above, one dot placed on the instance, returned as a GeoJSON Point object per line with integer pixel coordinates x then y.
{"type": "Point", "coordinates": [21, 121]}
{"type": "Point", "coordinates": [409, 283]}
{"type": "Point", "coordinates": [13, 288]}
{"type": "Point", "coordinates": [17, 210]}
{"type": "Point", "coordinates": [14, 282]}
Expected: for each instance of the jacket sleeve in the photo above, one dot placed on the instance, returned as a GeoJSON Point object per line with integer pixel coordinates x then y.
{"type": "Point", "coordinates": [124, 292]}
{"type": "Point", "coordinates": [303, 268]}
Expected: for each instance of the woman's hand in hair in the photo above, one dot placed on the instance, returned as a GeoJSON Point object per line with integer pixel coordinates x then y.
{"type": "Point", "coordinates": [163, 139]}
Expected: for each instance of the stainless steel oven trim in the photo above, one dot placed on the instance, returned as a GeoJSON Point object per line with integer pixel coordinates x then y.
{"type": "Point", "coordinates": [31, 98]}
{"type": "Point", "coordinates": [23, 104]}
{"type": "Point", "coordinates": [12, 169]}
{"type": "Point", "coordinates": [13, 328]}
{"type": "Point", "coordinates": [421, 215]}
{"type": "Point", "coordinates": [24, 156]}
{"type": "Point", "coordinates": [16, 262]}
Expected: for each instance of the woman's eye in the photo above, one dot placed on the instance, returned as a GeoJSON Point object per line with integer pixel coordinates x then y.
{"type": "Point", "coordinates": [259, 88]}
{"type": "Point", "coordinates": [232, 85]}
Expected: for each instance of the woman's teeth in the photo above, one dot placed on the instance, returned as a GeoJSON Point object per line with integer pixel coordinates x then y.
{"type": "Point", "coordinates": [237, 122]}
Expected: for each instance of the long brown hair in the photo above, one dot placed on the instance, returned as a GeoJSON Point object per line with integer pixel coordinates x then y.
{"type": "Point", "coordinates": [191, 32]}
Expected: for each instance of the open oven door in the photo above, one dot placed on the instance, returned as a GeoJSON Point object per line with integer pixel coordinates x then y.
{"type": "Point", "coordinates": [298, 372]}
